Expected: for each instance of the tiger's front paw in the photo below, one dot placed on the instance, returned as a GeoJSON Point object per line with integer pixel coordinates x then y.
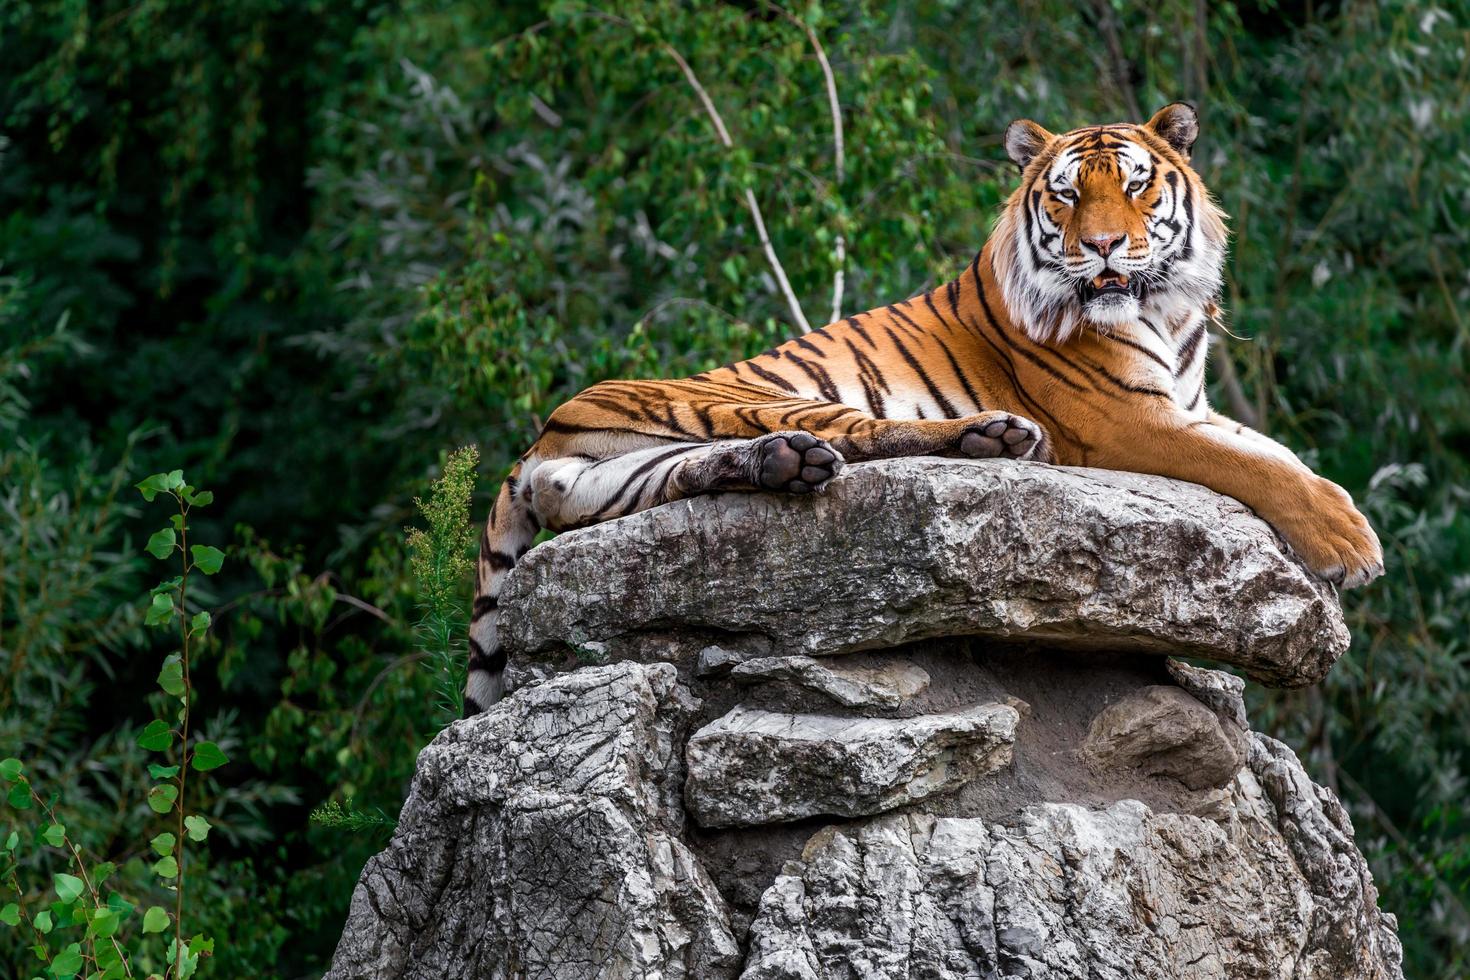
{"type": "Point", "coordinates": [796, 462]}
{"type": "Point", "coordinates": [1334, 539]}
{"type": "Point", "coordinates": [1000, 434]}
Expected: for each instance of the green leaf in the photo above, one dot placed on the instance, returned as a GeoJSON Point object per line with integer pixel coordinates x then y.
{"type": "Point", "coordinates": [119, 905]}
{"type": "Point", "coordinates": [207, 756]}
{"type": "Point", "coordinates": [44, 922]}
{"type": "Point", "coordinates": [162, 772]}
{"type": "Point", "coordinates": [171, 677]}
{"type": "Point", "coordinates": [200, 622]}
{"type": "Point", "coordinates": [20, 796]}
{"type": "Point", "coordinates": [54, 834]}
{"type": "Point", "coordinates": [68, 962]}
{"type": "Point", "coordinates": [177, 520]}
{"type": "Point", "coordinates": [152, 486]}
{"type": "Point", "coordinates": [155, 920]}
{"type": "Point", "coordinates": [207, 558]}
{"type": "Point", "coordinates": [161, 798]}
{"type": "Point", "coordinates": [101, 871]}
{"type": "Point", "coordinates": [68, 887]}
{"type": "Point", "coordinates": [160, 610]}
{"type": "Point", "coordinates": [173, 480]}
{"type": "Point", "coordinates": [163, 844]}
{"type": "Point", "coordinates": [104, 923]}
{"type": "Point", "coordinates": [156, 736]}
{"type": "Point", "coordinates": [10, 914]}
{"type": "Point", "coordinates": [196, 827]}
{"type": "Point", "coordinates": [201, 499]}
{"type": "Point", "coordinates": [10, 770]}
{"type": "Point", "coordinates": [12, 840]}
{"type": "Point", "coordinates": [166, 867]}
{"type": "Point", "coordinates": [162, 543]}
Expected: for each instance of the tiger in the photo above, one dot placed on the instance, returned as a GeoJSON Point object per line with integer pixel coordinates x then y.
{"type": "Point", "coordinates": [1077, 336]}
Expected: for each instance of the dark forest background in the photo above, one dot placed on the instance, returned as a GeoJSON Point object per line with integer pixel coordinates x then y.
{"type": "Point", "coordinates": [300, 249]}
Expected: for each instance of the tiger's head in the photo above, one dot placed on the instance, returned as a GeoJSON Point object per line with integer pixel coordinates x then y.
{"type": "Point", "coordinates": [1110, 224]}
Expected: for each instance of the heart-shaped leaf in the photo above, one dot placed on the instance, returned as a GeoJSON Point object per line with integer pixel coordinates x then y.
{"type": "Point", "coordinates": [207, 756]}
{"type": "Point", "coordinates": [162, 543]}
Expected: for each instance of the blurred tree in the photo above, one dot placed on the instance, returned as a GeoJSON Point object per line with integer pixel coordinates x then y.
{"type": "Point", "coordinates": [377, 231]}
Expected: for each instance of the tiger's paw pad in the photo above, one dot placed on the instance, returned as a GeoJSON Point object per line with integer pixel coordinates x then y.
{"type": "Point", "coordinates": [1011, 436]}
{"type": "Point", "coordinates": [796, 462]}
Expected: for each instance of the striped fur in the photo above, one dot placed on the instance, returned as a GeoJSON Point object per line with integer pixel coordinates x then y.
{"type": "Point", "coordinates": [1078, 335]}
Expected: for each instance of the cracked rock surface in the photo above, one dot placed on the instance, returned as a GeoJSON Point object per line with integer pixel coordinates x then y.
{"type": "Point", "coordinates": [908, 549]}
{"type": "Point", "coordinates": [817, 752]}
{"type": "Point", "coordinates": [754, 766]}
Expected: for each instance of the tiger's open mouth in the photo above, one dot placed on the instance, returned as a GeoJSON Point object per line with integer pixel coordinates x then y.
{"type": "Point", "coordinates": [1110, 283]}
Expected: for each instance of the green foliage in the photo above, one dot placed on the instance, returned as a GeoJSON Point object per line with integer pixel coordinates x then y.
{"type": "Point", "coordinates": [441, 559]}
{"type": "Point", "coordinates": [302, 246]}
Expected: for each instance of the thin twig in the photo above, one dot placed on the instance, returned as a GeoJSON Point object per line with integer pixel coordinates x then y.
{"type": "Point", "coordinates": [751, 204]}
{"type": "Point", "coordinates": [839, 154]}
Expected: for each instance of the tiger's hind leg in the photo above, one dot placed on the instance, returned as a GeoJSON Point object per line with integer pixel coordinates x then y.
{"type": "Point", "coordinates": [574, 492]}
{"type": "Point", "coordinates": [577, 489]}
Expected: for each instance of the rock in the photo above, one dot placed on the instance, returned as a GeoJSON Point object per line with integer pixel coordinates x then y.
{"type": "Point", "coordinates": [928, 725]}
{"type": "Point", "coordinates": [906, 549]}
{"type": "Point", "coordinates": [755, 767]}
{"type": "Point", "coordinates": [544, 834]}
{"type": "Point", "coordinates": [716, 661]}
{"type": "Point", "coordinates": [1120, 893]}
{"type": "Point", "coordinates": [887, 686]}
{"type": "Point", "coordinates": [1167, 732]}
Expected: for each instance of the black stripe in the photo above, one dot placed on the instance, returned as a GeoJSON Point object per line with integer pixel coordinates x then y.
{"type": "Point", "coordinates": [1005, 337]}
{"type": "Point", "coordinates": [1140, 348]}
{"type": "Point", "coordinates": [498, 560]}
{"type": "Point", "coordinates": [1108, 376]}
{"type": "Point", "coordinates": [907, 325]}
{"type": "Point", "coordinates": [484, 605]}
{"type": "Point", "coordinates": [871, 389]}
{"type": "Point", "coordinates": [553, 425]}
{"type": "Point", "coordinates": [808, 345]}
{"type": "Point", "coordinates": [821, 378]}
{"type": "Point", "coordinates": [955, 366]}
{"type": "Point", "coordinates": [861, 331]}
{"type": "Point", "coordinates": [773, 379]}
{"type": "Point", "coordinates": [944, 405]}
{"type": "Point", "coordinates": [643, 468]}
{"type": "Point", "coordinates": [1188, 348]}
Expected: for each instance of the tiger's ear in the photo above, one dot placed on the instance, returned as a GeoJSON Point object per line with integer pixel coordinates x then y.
{"type": "Point", "coordinates": [1025, 139]}
{"type": "Point", "coordinates": [1176, 124]}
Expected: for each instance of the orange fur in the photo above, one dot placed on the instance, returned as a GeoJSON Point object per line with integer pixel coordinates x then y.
{"type": "Point", "coordinates": [957, 371]}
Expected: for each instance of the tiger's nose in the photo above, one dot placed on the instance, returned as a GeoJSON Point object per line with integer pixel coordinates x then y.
{"type": "Point", "coordinates": [1105, 244]}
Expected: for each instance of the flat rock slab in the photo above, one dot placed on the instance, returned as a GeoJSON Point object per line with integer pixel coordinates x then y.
{"type": "Point", "coordinates": [911, 549]}
{"type": "Point", "coordinates": [852, 687]}
{"type": "Point", "coordinates": [753, 767]}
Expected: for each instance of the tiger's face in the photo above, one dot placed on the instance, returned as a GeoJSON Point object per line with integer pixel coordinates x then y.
{"type": "Point", "coordinates": [1110, 225]}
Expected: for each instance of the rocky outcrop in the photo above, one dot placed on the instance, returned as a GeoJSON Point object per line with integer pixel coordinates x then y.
{"type": "Point", "coordinates": [912, 549]}
{"type": "Point", "coordinates": [760, 783]}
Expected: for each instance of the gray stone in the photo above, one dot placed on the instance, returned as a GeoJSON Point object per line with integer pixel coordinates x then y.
{"type": "Point", "coordinates": [912, 548]}
{"type": "Point", "coordinates": [1128, 825]}
{"type": "Point", "coordinates": [541, 839]}
{"type": "Point", "coordinates": [755, 767]}
{"type": "Point", "coordinates": [1121, 893]}
{"type": "Point", "coordinates": [887, 686]}
{"type": "Point", "coordinates": [1164, 731]}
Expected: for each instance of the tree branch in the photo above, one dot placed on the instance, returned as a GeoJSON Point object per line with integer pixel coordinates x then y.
{"type": "Point", "coordinates": [839, 155]}
{"type": "Point", "coordinates": [750, 202]}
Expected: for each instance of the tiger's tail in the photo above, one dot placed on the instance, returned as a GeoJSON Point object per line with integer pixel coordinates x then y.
{"type": "Point", "coordinates": [508, 535]}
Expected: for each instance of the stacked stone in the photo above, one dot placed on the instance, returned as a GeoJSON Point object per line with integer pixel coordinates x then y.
{"type": "Point", "coordinates": [930, 724]}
